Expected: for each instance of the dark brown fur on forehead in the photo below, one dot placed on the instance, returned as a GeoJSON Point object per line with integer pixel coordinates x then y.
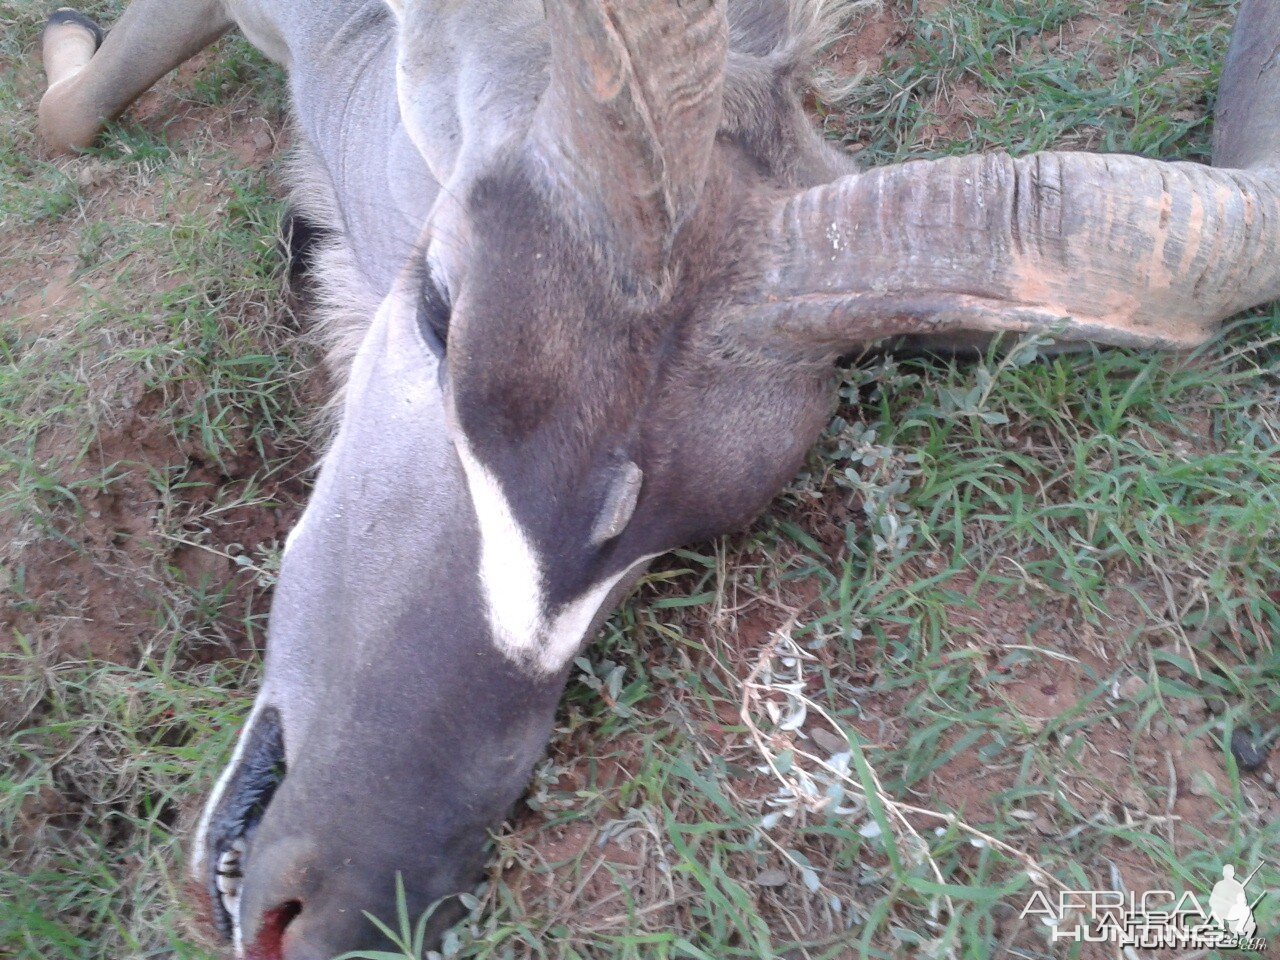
{"type": "Point", "coordinates": [550, 347]}
{"type": "Point", "coordinates": [561, 371]}
{"type": "Point", "coordinates": [537, 322]}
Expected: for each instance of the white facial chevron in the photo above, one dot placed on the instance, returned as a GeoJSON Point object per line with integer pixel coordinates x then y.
{"type": "Point", "coordinates": [509, 569]}
{"type": "Point", "coordinates": [511, 579]}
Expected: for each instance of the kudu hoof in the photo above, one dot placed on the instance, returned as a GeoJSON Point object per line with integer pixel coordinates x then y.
{"type": "Point", "coordinates": [67, 43]}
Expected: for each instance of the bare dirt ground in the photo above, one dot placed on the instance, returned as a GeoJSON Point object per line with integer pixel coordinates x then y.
{"type": "Point", "coordinates": [91, 589]}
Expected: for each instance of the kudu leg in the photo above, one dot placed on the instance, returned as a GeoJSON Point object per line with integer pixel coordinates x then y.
{"type": "Point", "coordinates": [87, 89]}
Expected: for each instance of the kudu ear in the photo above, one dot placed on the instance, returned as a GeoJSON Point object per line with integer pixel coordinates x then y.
{"type": "Point", "coordinates": [1116, 250]}
{"type": "Point", "coordinates": [629, 118]}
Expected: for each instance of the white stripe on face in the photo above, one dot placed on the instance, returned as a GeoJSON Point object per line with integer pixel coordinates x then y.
{"type": "Point", "coordinates": [511, 580]}
{"type": "Point", "coordinates": [510, 573]}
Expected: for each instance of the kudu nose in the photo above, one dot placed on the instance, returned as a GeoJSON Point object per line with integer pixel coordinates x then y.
{"type": "Point", "coordinates": [294, 910]}
{"type": "Point", "coordinates": [268, 940]}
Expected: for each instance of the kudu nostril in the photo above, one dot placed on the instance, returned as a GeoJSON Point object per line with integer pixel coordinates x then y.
{"type": "Point", "coordinates": [269, 943]}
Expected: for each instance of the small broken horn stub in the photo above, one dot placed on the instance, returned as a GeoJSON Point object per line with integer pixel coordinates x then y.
{"type": "Point", "coordinates": [619, 504]}
{"type": "Point", "coordinates": [65, 16]}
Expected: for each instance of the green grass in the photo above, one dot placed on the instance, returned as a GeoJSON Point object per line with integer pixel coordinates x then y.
{"type": "Point", "coordinates": [144, 418]}
{"type": "Point", "coordinates": [1004, 607]}
{"type": "Point", "coordinates": [1026, 75]}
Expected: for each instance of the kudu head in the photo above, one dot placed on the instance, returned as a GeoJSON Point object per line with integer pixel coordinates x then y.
{"type": "Point", "coordinates": [617, 337]}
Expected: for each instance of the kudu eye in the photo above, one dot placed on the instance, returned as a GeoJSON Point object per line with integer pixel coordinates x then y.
{"type": "Point", "coordinates": [434, 312]}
